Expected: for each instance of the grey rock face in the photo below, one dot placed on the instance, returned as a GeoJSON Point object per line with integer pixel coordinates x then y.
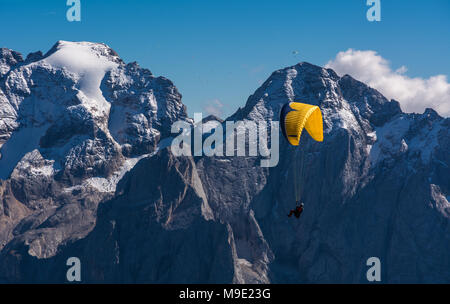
{"type": "Point", "coordinates": [91, 178]}
{"type": "Point", "coordinates": [158, 228]}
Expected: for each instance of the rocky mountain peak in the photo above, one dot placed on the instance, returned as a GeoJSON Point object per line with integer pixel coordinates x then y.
{"type": "Point", "coordinates": [77, 49]}
{"type": "Point", "coordinates": [8, 59]}
{"type": "Point", "coordinates": [345, 102]}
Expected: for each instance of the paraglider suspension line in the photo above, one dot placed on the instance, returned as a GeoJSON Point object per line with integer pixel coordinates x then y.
{"type": "Point", "coordinates": [299, 180]}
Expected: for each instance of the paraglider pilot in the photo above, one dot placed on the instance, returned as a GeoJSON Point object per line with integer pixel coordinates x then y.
{"type": "Point", "coordinates": [297, 211]}
{"type": "Point", "coordinates": [294, 117]}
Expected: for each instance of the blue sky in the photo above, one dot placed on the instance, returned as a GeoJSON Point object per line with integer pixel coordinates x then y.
{"type": "Point", "coordinates": [223, 50]}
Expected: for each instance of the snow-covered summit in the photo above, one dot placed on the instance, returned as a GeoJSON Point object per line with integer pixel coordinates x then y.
{"type": "Point", "coordinates": [83, 108]}
{"type": "Point", "coordinates": [87, 62]}
{"type": "Point", "coordinates": [70, 52]}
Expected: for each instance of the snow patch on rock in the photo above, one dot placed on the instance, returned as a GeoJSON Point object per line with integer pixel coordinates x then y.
{"type": "Point", "coordinates": [88, 61]}
{"type": "Point", "coordinates": [389, 139]}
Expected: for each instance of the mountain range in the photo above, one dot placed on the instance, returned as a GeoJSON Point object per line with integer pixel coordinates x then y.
{"type": "Point", "coordinates": [86, 170]}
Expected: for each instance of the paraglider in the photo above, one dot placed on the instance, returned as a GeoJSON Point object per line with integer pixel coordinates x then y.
{"type": "Point", "coordinates": [297, 211]}
{"type": "Point", "coordinates": [294, 118]}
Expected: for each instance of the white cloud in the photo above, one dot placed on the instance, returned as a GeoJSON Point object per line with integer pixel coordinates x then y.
{"type": "Point", "coordinates": [214, 107]}
{"type": "Point", "coordinates": [414, 94]}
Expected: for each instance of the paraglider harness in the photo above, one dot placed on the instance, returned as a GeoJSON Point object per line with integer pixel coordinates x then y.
{"type": "Point", "coordinates": [297, 211]}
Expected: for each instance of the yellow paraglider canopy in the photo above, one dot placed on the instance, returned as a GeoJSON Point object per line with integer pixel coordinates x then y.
{"type": "Point", "coordinates": [296, 116]}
